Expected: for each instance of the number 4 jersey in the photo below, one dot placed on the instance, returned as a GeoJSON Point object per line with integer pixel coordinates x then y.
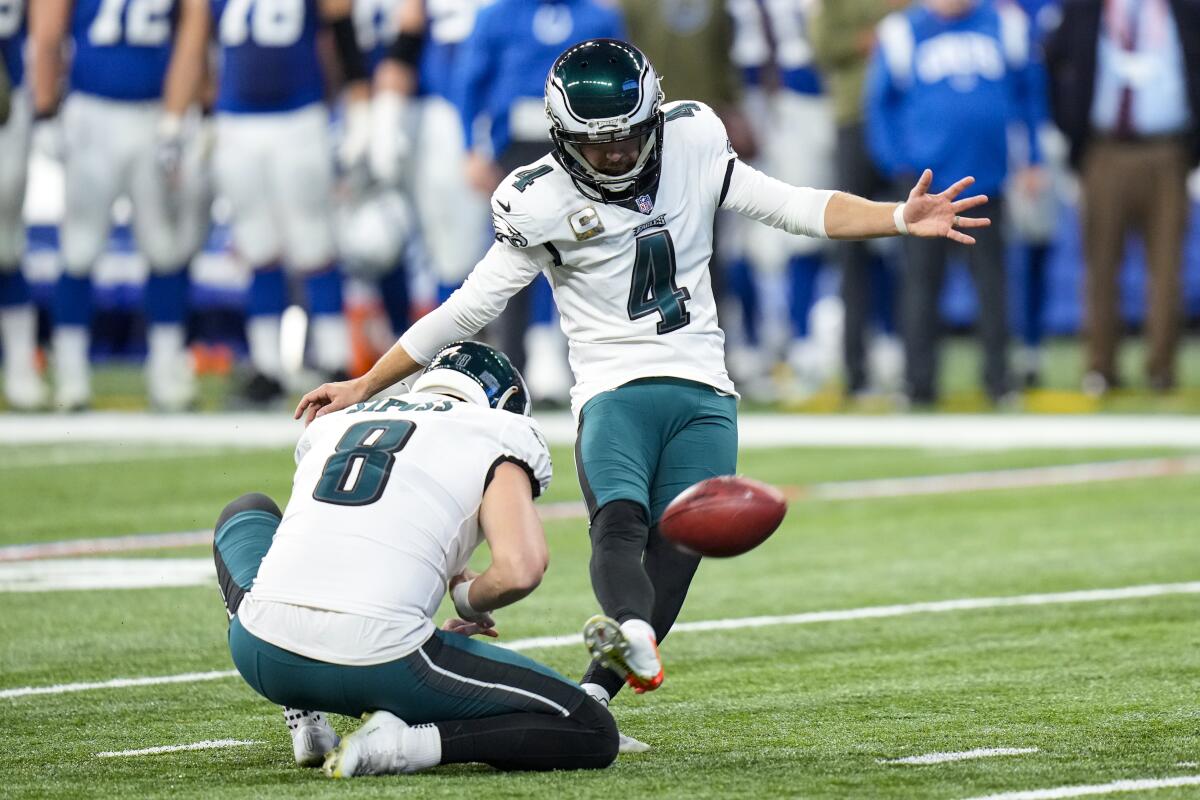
{"type": "Point", "coordinates": [631, 281]}
{"type": "Point", "coordinates": [384, 511]}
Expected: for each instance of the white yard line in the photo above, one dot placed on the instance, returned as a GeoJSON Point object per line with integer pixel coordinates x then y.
{"type": "Point", "coordinates": [956, 431]}
{"type": "Point", "coordinates": [117, 683]}
{"type": "Point", "coordinates": [210, 744]}
{"type": "Point", "coordinates": [75, 574]}
{"type": "Point", "coordinates": [965, 755]}
{"type": "Point", "coordinates": [1143, 785]}
{"type": "Point", "coordinates": [880, 612]}
{"type": "Point", "coordinates": [809, 618]}
{"type": "Point", "coordinates": [953, 483]}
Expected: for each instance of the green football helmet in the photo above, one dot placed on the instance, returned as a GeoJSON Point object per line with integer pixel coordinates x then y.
{"type": "Point", "coordinates": [479, 374]}
{"type": "Point", "coordinates": [599, 92]}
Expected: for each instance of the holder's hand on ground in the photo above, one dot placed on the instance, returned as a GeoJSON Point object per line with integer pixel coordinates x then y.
{"type": "Point", "coordinates": [933, 216]}
{"type": "Point", "coordinates": [464, 628]}
{"type": "Point", "coordinates": [330, 397]}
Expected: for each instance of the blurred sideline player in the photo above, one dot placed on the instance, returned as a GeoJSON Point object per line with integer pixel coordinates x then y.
{"type": "Point", "coordinates": [273, 162]}
{"type": "Point", "coordinates": [1033, 200]}
{"type": "Point", "coordinates": [374, 222]}
{"type": "Point", "coordinates": [323, 620]}
{"type": "Point", "coordinates": [23, 388]}
{"type": "Point", "coordinates": [114, 129]}
{"type": "Point", "coordinates": [502, 76]}
{"type": "Point", "coordinates": [416, 136]}
{"type": "Point", "coordinates": [619, 216]}
{"type": "Point", "coordinates": [793, 124]}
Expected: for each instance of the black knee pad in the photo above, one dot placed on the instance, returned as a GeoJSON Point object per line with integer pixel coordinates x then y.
{"type": "Point", "coordinates": [254, 501]}
{"type": "Point", "coordinates": [620, 521]}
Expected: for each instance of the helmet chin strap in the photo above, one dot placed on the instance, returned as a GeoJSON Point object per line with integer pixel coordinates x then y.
{"type": "Point", "coordinates": [504, 398]}
{"type": "Point", "coordinates": [616, 183]}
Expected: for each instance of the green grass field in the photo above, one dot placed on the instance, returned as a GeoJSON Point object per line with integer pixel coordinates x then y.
{"type": "Point", "coordinates": [1105, 690]}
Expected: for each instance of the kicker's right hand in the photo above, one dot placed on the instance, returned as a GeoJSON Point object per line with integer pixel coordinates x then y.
{"type": "Point", "coordinates": [330, 397]}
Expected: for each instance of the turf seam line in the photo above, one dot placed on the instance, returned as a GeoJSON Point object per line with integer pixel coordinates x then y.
{"type": "Point", "coordinates": [913, 486]}
{"type": "Point", "coordinates": [207, 744]}
{"type": "Point", "coordinates": [569, 640]}
{"type": "Point", "coordinates": [1139, 785]}
{"type": "Point", "coordinates": [963, 755]}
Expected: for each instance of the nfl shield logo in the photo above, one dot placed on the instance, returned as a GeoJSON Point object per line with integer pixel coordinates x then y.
{"type": "Point", "coordinates": [645, 204]}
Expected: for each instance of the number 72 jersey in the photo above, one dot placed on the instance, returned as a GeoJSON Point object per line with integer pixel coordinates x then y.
{"type": "Point", "coordinates": [631, 281]}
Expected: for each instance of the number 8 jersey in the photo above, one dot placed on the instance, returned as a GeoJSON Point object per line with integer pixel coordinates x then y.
{"type": "Point", "coordinates": [385, 510]}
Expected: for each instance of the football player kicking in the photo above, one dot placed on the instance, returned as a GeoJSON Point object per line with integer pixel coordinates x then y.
{"type": "Point", "coordinates": [330, 603]}
{"type": "Point", "coordinates": [619, 216]}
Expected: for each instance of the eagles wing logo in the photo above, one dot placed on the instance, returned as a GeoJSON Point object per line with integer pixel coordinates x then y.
{"type": "Point", "coordinates": [506, 233]}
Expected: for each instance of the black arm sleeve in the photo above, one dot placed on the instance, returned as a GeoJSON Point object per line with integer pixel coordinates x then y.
{"type": "Point", "coordinates": [354, 66]}
{"type": "Point", "coordinates": [407, 49]}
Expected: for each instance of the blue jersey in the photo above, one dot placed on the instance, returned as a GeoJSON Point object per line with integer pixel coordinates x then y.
{"type": "Point", "coordinates": [374, 28]}
{"type": "Point", "coordinates": [12, 39]}
{"type": "Point", "coordinates": [122, 47]}
{"type": "Point", "coordinates": [941, 93]}
{"type": "Point", "coordinates": [513, 46]}
{"type": "Point", "coordinates": [448, 24]}
{"type": "Point", "coordinates": [269, 60]}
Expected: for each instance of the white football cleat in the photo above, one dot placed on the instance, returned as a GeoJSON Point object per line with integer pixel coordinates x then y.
{"type": "Point", "coordinates": [312, 736]}
{"type": "Point", "coordinates": [377, 748]}
{"type": "Point", "coordinates": [628, 744]}
{"type": "Point", "coordinates": [629, 649]}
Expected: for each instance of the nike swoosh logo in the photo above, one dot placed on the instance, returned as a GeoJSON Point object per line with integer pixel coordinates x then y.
{"type": "Point", "coordinates": [507, 208]}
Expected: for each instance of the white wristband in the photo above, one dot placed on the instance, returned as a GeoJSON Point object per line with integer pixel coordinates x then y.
{"type": "Point", "coordinates": [898, 218]}
{"type": "Point", "coordinates": [462, 603]}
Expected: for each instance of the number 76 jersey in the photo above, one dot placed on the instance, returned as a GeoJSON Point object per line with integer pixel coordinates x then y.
{"type": "Point", "coordinates": [632, 280]}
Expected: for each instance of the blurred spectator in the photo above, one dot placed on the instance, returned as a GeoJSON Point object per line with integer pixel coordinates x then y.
{"type": "Point", "coordinates": [843, 38]}
{"type": "Point", "coordinates": [503, 76]}
{"type": "Point", "coordinates": [1126, 91]}
{"type": "Point", "coordinates": [416, 137]}
{"type": "Point", "coordinates": [792, 120]}
{"type": "Point", "coordinates": [690, 42]}
{"type": "Point", "coordinates": [1033, 204]}
{"type": "Point", "coordinates": [966, 64]}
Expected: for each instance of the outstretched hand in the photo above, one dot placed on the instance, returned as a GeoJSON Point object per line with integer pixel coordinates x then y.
{"type": "Point", "coordinates": [330, 397]}
{"type": "Point", "coordinates": [933, 216]}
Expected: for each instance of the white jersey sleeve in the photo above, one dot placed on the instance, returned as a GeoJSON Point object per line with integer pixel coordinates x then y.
{"type": "Point", "coordinates": [795, 209]}
{"type": "Point", "coordinates": [525, 445]}
{"type": "Point", "coordinates": [521, 251]}
{"type": "Point", "coordinates": [503, 272]}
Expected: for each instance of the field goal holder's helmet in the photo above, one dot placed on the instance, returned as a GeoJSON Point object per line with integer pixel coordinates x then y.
{"type": "Point", "coordinates": [601, 91]}
{"type": "Point", "coordinates": [478, 374]}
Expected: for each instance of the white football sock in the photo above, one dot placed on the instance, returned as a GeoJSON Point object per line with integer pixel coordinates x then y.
{"type": "Point", "coordinates": [72, 371]}
{"type": "Point", "coordinates": [262, 335]}
{"type": "Point", "coordinates": [330, 338]}
{"type": "Point", "coordinates": [598, 692]}
{"type": "Point", "coordinates": [169, 374]}
{"type": "Point", "coordinates": [422, 747]}
{"type": "Point", "coordinates": [18, 333]}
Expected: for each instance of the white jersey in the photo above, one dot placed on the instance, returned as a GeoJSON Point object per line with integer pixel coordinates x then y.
{"type": "Point", "coordinates": [384, 511]}
{"type": "Point", "coordinates": [631, 281]}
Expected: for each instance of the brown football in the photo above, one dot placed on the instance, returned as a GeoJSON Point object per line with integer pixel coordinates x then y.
{"type": "Point", "coordinates": [723, 516]}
